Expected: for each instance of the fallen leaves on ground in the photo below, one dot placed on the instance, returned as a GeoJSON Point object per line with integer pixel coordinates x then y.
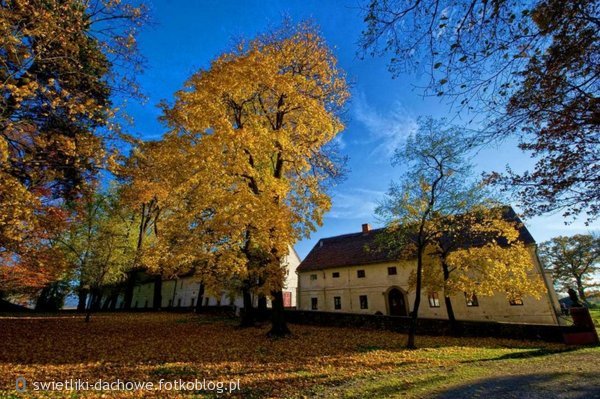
{"type": "Point", "coordinates": [170, 346]}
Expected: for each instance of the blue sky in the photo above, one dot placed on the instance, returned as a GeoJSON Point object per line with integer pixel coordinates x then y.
{"type": "Point", "coordinates": [186, 35]}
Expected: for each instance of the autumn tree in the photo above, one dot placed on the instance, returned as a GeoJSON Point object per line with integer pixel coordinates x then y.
{"type": "Point", "coordinates": [114, 248]}
{"type": "Point", "coordinates": [169, 202]}
{"type": "Point", "coordinates": [574, 261]}
{"type": "Point", "coordinates": [29, 263]}
{"type": "Point", "coordinates": [529, 68]}
{"type": "Point", "coordinates": [480, 252]}
{"type": "Point", "coordinates": [96, 244]}
{"type": "Point", "coordinates": [462, 239]}
{"type": "Point", "coordinates": [434, 186]}
{"type": "Point", "coordinates": [56, 79]}
{"type": "Point", "coordinates": [146, 177]}
{"type": "Point", "coordinates": [78, 240]}
{"type": "Point", "coordinates": [255, 130]}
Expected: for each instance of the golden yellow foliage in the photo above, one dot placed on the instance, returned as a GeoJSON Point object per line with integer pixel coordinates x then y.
{"type": "Point", "coordinates": [55, 86]}
{"type": "Point", "coordinates": [482, 252]}
{"type": "Point", "coordinates": [241, 175]}
{"type": "Point", "coordinates": [492, 268]}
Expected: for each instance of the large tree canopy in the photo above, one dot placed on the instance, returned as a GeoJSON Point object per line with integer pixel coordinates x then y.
{"type": "Point", "coordinates": [242, 174]}
{"type": "Point", "coordinates": [530, 67]}
{"type": "Point", "coordinates": [56, 81]}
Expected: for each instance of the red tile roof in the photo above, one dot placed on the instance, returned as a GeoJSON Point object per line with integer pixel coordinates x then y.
{"type": "Point", "coordinates": [360, 249]}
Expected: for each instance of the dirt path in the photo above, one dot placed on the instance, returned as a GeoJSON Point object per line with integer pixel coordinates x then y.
{"type": "Point", "coordinates": [570, 376]}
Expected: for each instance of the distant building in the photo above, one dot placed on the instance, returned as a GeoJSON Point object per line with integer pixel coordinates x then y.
{"type": "Point", "coordinates": [341, 275]}
{"type": "Point", "coordinates": [184, 292]}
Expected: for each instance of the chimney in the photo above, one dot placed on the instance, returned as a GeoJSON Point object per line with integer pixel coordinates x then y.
{"type": "Point", "coordinates": [366, 228]}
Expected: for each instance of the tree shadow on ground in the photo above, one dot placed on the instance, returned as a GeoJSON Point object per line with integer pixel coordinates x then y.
{"type": "Point", "coordinates": [531, 386]}
{"type": "Point", "coordinates": [526, 354]}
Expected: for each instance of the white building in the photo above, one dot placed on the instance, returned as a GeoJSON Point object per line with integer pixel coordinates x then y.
{"type": "Point", "coordinates": [183, 292]}
{"type": "Point", "coordinates": [341, 275]}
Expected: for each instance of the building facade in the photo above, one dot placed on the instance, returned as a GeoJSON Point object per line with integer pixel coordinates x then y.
{"type": "Point", "coordinates": [184, 292]}
{"type": "Point", "coordinates": [340, 274]}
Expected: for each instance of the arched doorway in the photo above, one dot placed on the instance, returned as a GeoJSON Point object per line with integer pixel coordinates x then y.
{"type": "Point", "coordinates": [396, 303]}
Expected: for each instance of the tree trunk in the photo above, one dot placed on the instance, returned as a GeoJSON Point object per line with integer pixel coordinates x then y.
{"type": "Point", "coordinates": [262, 312]}
{"type": "Point", "coordinates": [279, 327]}
{"type": "Point", "coordinates": [412, 330]}
{"type": "Point", "coordinates": [113, 299]}
{"type": "Point", "coordinates": [129, 286]}
{"type": "Point", "coordinates": [580, 290]}
{"type": "Point", "coordinates": [82, 296]}
{"type": "Point", "coordinates": [454, 329]}
{"type": "Point", "coordinates": [157, 298]}
{"type": "Point", "coordinates": [199, 305]}
{"type": "Point", "coordinates": [88, 313]}
{"type": "Point", "coordinates": [96, 299]}
{"type": "Point", "coordinates": [248, 311]}
{"type": "Point", "coordinates": [41, 305]}
{"type": "Point", "coordinates": [106, 302]}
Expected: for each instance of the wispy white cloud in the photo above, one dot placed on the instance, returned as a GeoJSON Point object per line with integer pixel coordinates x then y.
{"type": "Point", "coordinates": [355, 203]}
{"type": "Point", "coordinates": [387, 130]}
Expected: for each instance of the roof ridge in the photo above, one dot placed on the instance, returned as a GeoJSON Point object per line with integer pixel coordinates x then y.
{"type": "Point", "coordinates": [359, 233]}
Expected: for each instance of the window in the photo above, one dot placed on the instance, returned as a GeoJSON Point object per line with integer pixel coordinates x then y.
{"type": "Point", "coordinates": [434, 300]}
{"type": "Point", "coordinates": [392, 271]}
{"type": "Point", "coordinates": [516, 301]}
{"type": "Point", "coordinates": [335, 274]}
{"type": "Point", "coordinates": [360, 273]}
{"type": "Point", "coordinates": [337, 302]}
{"type": "Point", "coordinates": [313, 277]}
{"type": "Point", "coordinates": [471, 299]}
{"type": "Point", "coordinates": [314, 303]}
{"type": "Point", "coordinates": [364, 303]}
{"type": "Point", "coordinates": [287, 299]}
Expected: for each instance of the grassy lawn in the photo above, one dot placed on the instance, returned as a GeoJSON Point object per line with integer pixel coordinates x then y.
{"type": "Point", "coordinates": [314, 362]}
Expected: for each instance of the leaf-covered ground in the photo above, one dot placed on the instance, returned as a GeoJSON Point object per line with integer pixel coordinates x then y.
{"type": "Point", "coordinates": [314, 362]}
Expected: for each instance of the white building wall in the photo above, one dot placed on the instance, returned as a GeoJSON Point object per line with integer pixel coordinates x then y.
{"type": "Point", "coordinates": [292, 261]}
{"type": "Point", "coordinates": [143, 296]}
{"type": "Point", "coordinates": [377, 283]}
{"type": "Point", "coordinates": [183, 292]}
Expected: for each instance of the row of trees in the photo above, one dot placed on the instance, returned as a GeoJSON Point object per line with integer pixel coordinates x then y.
{"type": "Point", "coordinates": [242, 173]}
{"type": "Point", "coordinates": [57, 79]}
{"type": "Point", "coordinates": [240, 176]}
